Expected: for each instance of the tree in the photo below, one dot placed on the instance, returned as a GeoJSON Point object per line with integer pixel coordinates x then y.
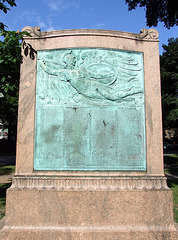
{"type": "Point", "coordinates": [169, 82]}
{"type": "Point", "coordinates": [10, 57]}
{"type": "Point", "coordinates": [4, 8]}
{"type": "Point", "coordinates": [157, 10]}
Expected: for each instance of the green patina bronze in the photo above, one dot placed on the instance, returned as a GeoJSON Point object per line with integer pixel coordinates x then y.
{"type": "Point", "coordinates": [90, 112]}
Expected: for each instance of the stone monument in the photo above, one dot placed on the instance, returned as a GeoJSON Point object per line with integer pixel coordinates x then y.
{"type": "Point", "coordinates": [89, 149]}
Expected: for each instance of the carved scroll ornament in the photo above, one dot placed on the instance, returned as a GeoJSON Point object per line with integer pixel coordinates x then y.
{"type": "Point", "coordinates": [33, 31]}
{"type": "Point", "coordinates": [149, 34]}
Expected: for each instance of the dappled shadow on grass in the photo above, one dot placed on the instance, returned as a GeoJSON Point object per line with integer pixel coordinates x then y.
{"type": "Point", "coordinates": [3, 188]}
{"type": "Point", "coordinates": [173, 185]}
{"type": "Point", "coordinates": [172, 182]}
{"type": "Point", "coordinates": [171, 164]}
{"type": "Point", "coordinates": [173, 170]}
{"type": "Point", "coordinates": [6, 170]}
{"type": "Point", "coordinates": [171, 159]}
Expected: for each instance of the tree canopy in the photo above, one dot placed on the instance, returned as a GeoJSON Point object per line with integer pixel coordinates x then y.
{"type": "Point", "coordinates": [169, 82]}
{"type": "Point", "coordinates": [157, 10]}
{"type": "Point", "coordinates": [6, 8]}
{"type": "Point", "coordinates": [10, 58]}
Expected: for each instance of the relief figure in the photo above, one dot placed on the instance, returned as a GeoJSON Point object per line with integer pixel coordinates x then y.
{"type": "Point", "coordinates": [97, 81]}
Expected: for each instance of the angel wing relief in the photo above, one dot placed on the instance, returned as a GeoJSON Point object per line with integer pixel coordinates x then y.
{"type": "Point", "coordinates": [89, 110]}
{"type": "Point", "coordinates": [94, 75]}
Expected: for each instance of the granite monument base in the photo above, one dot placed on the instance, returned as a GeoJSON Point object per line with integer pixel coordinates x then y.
{"type": "Point", "coordinates": [51, 207]}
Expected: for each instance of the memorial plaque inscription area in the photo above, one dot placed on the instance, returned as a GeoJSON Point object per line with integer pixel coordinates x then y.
{"type": "Point", "coordinates": [90, 113]}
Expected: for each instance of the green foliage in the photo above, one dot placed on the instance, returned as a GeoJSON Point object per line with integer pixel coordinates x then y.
{"type": "Point", "coordinates": [169, 82]}
{"type": "Point", "coordinates": [160, 10]}
{"type": "Point", "coordinates": [173, 185]}
{"type": "Point", "coordinates": [9, 71]}
{"type": "Point", "coordinates": [5, 8]}
{"type": "Point", "coordinates": [174, 188]}
{"type": "Point", "coordinates": [7, 169]}
{"type": "Point", "coordinates": [171, 166]}
{"type": "Point", "coordinates": [10, 58]}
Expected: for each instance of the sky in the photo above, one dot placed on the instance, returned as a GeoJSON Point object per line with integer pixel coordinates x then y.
{"type": "Point", "coordinates": [76, 14]}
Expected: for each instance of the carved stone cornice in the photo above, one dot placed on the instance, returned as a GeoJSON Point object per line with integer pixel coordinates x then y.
{"type": "Point", "coordinates": [149, 35]}
{"type": "Point", "coordinates": [89, 183]}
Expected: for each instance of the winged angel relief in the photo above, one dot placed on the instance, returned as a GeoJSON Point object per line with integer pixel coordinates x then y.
{"type": "Point", "coordinates": [92, 74]}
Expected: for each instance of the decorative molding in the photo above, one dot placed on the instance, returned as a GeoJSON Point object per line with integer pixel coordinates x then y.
{"type": "Point", "coordinates": [89, 228]}
{"type": "Point", "coordinates": [33, 31]}
{"type": "Point", "coordinates": [149, 34]}
{"type": "Point", "coordinates": [89, 183]}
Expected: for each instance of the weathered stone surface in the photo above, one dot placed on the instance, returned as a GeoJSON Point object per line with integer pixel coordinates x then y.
{"type": "Point", "coordinates": [95, 183]}
{"type": "Point", "coordinates": [128, 198]}
{"type": "Point", "coordinates": [102, 39]}
{"type": "Point", "coordinates": [90, 210]}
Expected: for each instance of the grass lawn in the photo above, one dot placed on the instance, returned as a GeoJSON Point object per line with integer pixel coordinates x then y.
{"type": "Point", "coordinates": [4, 170]}
{"type": "Point", "coordinates": [3, 188]}
{"type": "Point", "coordinates": [174, 188]}
{"type": "Point", "coordinates": [171, 167]}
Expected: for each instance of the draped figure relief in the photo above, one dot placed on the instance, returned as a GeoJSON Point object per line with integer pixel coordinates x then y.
{"type": "Point", "coordinates": [94, 74]}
